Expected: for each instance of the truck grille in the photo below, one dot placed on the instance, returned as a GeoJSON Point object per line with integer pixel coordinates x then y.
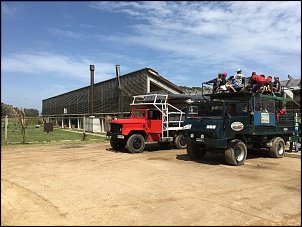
{"type": "Point", "coordinates": [115, 128]}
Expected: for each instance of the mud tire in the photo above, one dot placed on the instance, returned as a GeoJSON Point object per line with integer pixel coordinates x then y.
{"type": "Point", "coordinates": [179, 144]}
{"type": "Point", "coordinates": [136, 143]}
{"type": "Point", "coordinates": [277, 149]}
{"type": "Point", "coordinates": [195, 151]}
{"type": "Point", "coordinates": [236, 153]}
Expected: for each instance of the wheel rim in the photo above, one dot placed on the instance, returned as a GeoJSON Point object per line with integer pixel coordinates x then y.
{"type": "Point", "coordinates": [239, 154]}
{"type": "Point", "coordinates": [280, 149]}
{"type": "Point", "coordinates": [137, 143]}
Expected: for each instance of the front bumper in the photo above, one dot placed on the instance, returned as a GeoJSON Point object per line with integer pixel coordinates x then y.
{"type": "Point", "coordinates": [208, 142]}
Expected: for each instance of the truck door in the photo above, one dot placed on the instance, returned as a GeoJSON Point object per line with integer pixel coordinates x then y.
{"type": "Point", "coordinates": [154, 121]}
{"type": "Point", "coordinates": [237, 119]}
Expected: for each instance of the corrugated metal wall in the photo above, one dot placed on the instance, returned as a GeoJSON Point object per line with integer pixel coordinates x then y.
{"type": "Point", "coordinates": [107, 97]}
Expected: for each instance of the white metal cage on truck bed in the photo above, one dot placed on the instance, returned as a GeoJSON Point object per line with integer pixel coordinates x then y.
{"type": "Point", "coordinates": [172, 117]}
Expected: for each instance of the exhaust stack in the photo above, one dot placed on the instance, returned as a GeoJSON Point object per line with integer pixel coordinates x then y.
{"type": "Point", "coordinates": [117, 71]}
{"type": "Point", "coordinates": [91, 89]}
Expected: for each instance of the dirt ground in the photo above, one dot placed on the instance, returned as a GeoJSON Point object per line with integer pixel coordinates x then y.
{"type": "Point", "coordinates": [93, 185]}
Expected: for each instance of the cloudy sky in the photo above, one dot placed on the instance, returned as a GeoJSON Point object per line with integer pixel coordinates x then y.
{"type": "Point", "coordinates": [47, 46]}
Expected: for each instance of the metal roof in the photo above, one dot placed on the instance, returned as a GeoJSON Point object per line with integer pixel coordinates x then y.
{"type": "Point", "coordinates": [295, 83]}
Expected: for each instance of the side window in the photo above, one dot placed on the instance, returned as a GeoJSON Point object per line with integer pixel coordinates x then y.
{"type": "Point", "coordinates": [135, 113]}
{"type": "Point", "coordinates": [154, 114]}
{"type": "Point", "coordinates": [142, 114]}
{"type": "Point", "coordinates": [232, 110]}
{"type": "Point", "coordinates": [193, 111]}
{"type": "Point", "coordinates": [246, 109]}
{"type": "Point", "coordinates": [242, 109]}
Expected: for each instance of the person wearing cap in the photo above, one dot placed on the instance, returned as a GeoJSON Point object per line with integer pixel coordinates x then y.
{"type": "Point", "coordinates": [237, 81]}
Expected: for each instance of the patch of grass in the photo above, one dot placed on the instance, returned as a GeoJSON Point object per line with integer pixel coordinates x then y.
{"type": "Point", "coordinates": [36, 135]}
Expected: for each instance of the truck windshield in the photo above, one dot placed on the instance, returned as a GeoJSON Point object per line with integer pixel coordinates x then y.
{"type": "Point", "coordinates": [138, 113]}
{"type": "Point", "coordinates": [205, 110]}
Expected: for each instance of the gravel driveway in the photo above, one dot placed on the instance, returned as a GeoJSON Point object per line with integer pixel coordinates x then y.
{"type": "Point", "coordinates": [92, 185]}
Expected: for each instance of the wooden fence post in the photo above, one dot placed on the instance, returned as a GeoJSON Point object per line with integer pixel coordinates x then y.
{"type": "Point", "coordinates": [6, 124]}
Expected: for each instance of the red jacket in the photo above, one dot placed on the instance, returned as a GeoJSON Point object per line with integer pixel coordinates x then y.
{"type": "Point", "coordinates": [258, 79]}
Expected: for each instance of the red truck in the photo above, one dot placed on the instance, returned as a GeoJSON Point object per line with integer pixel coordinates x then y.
{"type": "Point", "coordinates": [152, 119]}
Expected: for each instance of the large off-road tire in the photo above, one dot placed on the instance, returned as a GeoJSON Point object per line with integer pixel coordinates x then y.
{"type": "Point", "coordinates": [178, 142]}
{"type": "Point", "coordinates": [164, 145]}
{"type": "Point", "coordinates": [136, 143]}
{"type": "Point", "coordinates": [278, 148]}
{"type": "Point", "coordinates": [116, 145]}
{"type": "Point", "coordinates": [195, 151]}
{"type": "Point", "coordinates": [236, 153]}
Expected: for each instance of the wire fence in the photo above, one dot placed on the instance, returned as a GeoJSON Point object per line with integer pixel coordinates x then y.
{"type": "Point", "coordinates": [36, 131]}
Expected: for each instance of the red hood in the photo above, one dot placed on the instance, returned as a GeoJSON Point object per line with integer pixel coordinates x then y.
{"type": "Point", "coordinates": [129, 121]}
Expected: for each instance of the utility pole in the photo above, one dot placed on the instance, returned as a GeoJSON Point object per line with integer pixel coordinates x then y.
{"type": "Point", "coordinates": [118, 89]}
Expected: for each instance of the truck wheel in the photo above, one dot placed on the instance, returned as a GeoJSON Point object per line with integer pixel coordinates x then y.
{"type": "Point", "coordinates": [179, 142]}
{"type": "Point", "coordinates": [278, 148]}
{"type": "Point", "coordinates": [164, 145]}
{"type": "Point", "coordinates": [195, 151]}
{"type": "Point", "coordinates": [136, 143]}
{"type": "Point", "coordinates": [236, 153]}
{"type": "Point", "coordinates": [116, 145]}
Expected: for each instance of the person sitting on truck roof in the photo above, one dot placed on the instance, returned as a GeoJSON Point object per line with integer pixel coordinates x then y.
{"type": "Point", "coordinates": [268, 87]}
{"type": "Point", "coordinates": [237, 81]}
{"type": "Point", "coordinates": [222, 82]}
{"type": "Point", "coordinates": [214, 82]}
{"type": "Point", "coordinates": [256, 82]}
{"type": "Point", "coordinates": [261, 84]}
{"type": "Point", "coordinates": [251, 85]}
{"type": "Point", "coordinates": [276, 86]}
{"type": "Point", "coordinates": [219, 82]}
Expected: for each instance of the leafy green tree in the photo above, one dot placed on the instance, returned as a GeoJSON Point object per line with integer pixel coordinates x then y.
{"type": "Point", "coordinates": [31, 112]}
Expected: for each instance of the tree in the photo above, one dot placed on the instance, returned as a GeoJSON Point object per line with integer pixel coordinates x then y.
{"type": "Point", "coordinates": [31, 112]}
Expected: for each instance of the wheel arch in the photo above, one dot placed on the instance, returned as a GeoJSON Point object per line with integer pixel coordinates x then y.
{"type": "Point", "coordinates": [141, 132]}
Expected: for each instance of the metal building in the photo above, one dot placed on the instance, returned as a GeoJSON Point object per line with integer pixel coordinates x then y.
{"type": "Point", "coordinates": [104, 100]}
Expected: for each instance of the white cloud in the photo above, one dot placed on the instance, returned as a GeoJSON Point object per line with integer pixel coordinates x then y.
{"type": "Point", "coordinates": [266, 34]}
{"type": "Point", "coordinates": [46, 64]}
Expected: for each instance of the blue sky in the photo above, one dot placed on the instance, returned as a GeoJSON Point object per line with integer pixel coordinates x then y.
{"type": "Point", "coordinates": [47, 46]}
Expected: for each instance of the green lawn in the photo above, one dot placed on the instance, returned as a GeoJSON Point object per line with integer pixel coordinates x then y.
{"type": "Point", "coordinates": [36, 135]}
